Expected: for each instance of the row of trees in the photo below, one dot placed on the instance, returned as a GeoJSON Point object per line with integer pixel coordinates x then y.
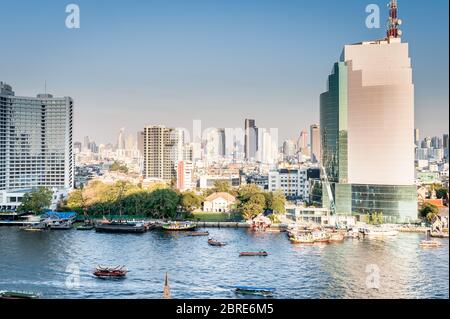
{"type": "Point", "coordinates": [99, 199]}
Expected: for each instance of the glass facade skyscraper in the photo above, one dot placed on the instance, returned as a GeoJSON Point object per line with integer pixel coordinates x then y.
{"type": "Point", "coordinates": [367, 116]}
{"type": "Point", "coordinates": [35, 144]}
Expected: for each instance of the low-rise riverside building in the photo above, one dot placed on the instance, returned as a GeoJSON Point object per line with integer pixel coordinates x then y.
{"type": "Point", "coordinates": [219, 203]}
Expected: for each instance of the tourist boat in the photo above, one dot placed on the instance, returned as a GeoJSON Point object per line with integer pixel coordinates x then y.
{"type": "Point", "coordinates": [430, 244]}
{"type": "Point", "coordinates": [198, 233]}
{"type": "Point", "coordinates": [34, 228]}
{"type": "Point", "coordinates": [179, 226]}
{"type": "Point", "coordinates": [266, 292]}
{"type": "Point", "coordinates": [351, 234]}
{"type": "Point", "coordinates": [249, 254]}
{"type": "Point", "coordinates": [379, 232]}
{"type": "Point", "coordinates": [18, 295]}
{"type": "Point", "coordinates": [110, 272]}
{"type": "Point", "coordinates": [302, 239]}
{"type": "Point", "coordinates": [120, 227]}
{"type": "Point", "coordinates": [320, 237]}
{"type": "Point", "coordinates": [216, 243]}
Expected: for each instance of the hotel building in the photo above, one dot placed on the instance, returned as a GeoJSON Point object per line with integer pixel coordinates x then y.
{"type": "Point", "coordinates": [35, 146]}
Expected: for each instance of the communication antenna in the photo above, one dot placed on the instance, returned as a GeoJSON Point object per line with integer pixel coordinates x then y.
{"type": "Point", "coordinates": [394, 22]}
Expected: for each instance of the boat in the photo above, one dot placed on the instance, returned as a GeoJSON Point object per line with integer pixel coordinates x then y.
{"type": "Point", "coordinates": [436, 234]}
{"type": "Point", "coordinates": [34, 228]}
{"type": "Point", "coordinates": [430, 244]}
{"type": "Point", "coordinates": [179, 226]}
{"type": "Point", "coordinates": [198, 233]}
{"type": "Point", "coordinates": [320, 237]}
{"type": "Point", "coordinates": [302, 239]}
{"type": "Point", "coordinates": [266, 292]}
{"type": "Point", "coordinates": [351, 234]}
{"type": "Point", "coordinates": [18, 295]}
{"type": "Point", "coordinates": [336, 237]}
{"type": "Point", "coordinates": [110, 272]}
{"type": "Point", "coordinates": [249, 254]}
{"type": "Point", "coordinates": [60, 225]}
{"type": "Point", "coordinates": [216, 243]}
{"type": "Point", "coordinates": [379, 232]}
{"type": "Point", "coordinates": [85, 227]}
{"type": "Point", "coordinates": [120, 227]}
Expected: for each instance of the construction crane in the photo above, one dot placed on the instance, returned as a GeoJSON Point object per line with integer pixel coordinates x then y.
{"type": "Point", "coordinates": [394, 22]}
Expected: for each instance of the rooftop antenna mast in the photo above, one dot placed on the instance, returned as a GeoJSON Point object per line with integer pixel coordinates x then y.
{"type": "Point", "coordinates": [394, 22]}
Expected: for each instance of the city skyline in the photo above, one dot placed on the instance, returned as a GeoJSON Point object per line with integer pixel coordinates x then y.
{"type": "Point", "coordinates": [259, 67]}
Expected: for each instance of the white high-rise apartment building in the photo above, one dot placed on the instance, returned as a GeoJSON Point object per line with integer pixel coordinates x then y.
{"type": "Point", "coordinates": [35, 145]}
{"type": "Point", "coordinates": [160, 152]}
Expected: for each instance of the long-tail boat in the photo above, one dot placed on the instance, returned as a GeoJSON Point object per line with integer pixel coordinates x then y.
{"type": "Point", "coordinates": [198, 233]}
{"type": "Point", "coordinates": [18, 295]}
{"type": "Point", "coordinates": [250, 254]}
{"type": "Point", "coordinates": [120, 227]}
{"type": "Point", "coordinates": [110, 272]}
{"type": "Point", "coordinates": [266, 292]}
{"type": "Point", "coordinates": [216, 243]}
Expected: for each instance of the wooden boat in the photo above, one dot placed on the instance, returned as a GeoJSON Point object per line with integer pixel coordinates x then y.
{"type": "Point", "coordinates": [198, 233]}
{"type": "Point", "coordinates": [18, 295]}
{"type": "Point", "coordinates": [336, 237]}
{"type": "Point", "coordinates": [439, 235]}
{"type": "Point", "coordinates": [110, 272]}
{"type": "Point", "coordinates": [179, 226]}
{"type": "Point", "coordinates": [249, 254]}
{"type": "Point", "coordinates": [216, 243]}
{"type": "Point", "coordinates": [302, 239]}
{"type": "Point", "coordinates": [34, 228]}
{"type": "Point", "coordinates": [266, 292]}
{"type": "Point", "coordinates": [60, 225]}
{"type": "Point", "coordinates": [320, 237]}
{"type": "Point", "coordinates": [120, 227]}
{"type": "Point", "coordinates": [430, 244]}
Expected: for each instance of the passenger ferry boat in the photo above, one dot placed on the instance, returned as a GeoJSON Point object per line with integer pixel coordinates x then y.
{"type": "Point", "coordinates": [379, 232]}
{"type": "Point", "coordinates": [179, 226]}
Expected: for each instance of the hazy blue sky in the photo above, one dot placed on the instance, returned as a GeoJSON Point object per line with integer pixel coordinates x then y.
{"type": "Point", "coordinates": [134, 63]}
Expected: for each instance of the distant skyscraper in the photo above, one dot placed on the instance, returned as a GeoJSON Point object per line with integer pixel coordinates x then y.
{"type": "Point", "coordinates": [416, 136]}
{"type": "Point", "coordinates": [289, 149]}
{"type": "Point", "coordinates": [426, 143]}
{"type": "Point", "coordinates": [315, 143]}
{"type": "Point", "coordinates": [36, 148]}
{"type": "Point", "coordinates": [303, 143]}
{"type": "Point", "coordinates": [445, 140]}
{"type": "Point", "coordinates": [436, 142]}
{"type": "Point", "coordinates": [251, 139]}
{"type": "Point", "coordinates": [121, 139]}
{"type": "Point", "coordinates": [140, 142]}
{"type": "Point", "coordinates": [160, 144]}
{"type": "Point", "coordinates": [367, 120]}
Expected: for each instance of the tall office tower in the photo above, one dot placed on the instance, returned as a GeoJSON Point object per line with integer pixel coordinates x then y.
{"type": "Point", "coordinates": [35, 145]}
{"type": "Point", "coordinates": [160, 145]}
{"type": "Point", "coordinates": [436, 142]}
{"type": "Point", "coordinates": [121, 139]}
{"type": "Point", "coordinates": [267, 146]}
{"type": "Point", "coordinates": [367, 116]}
{"type": "Point", "coordinates": [214, 146]}
{"type": "Point", "coordinates": [445, 145]}
{"type": "Point", "coordinates": [86, 143]}
{"type": "Point", "coordinates": [416, 136]}
{"type": "Point", "coordinates": [289, 149]}
{"type": "Point", "coordinates": [303, 143]}
{"type": "Point", "coordinates": [251, 139]}
{"type": "Point", "coordinates": [315, 143]}
{"type": "Point", "coordinates": [140, 142]}
{"type": "Point", "coordinates": [426, 143]}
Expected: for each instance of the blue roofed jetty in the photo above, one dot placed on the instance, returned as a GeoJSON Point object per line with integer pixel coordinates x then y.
{"type": "Point", "coordinates": [59, 215]}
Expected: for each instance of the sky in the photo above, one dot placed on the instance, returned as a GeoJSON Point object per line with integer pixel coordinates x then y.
{"type": "Point", "coordinates": [135, 63]}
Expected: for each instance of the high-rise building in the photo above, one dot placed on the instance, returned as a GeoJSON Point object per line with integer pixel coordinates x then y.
{"type": "Point", "coordinates": [416, 136]}
{"type": "Point", "coordinates": [140, 142]}
{"type": "Point", "coordinates": [251, 139]}
{"type": "Point", "coordinates": [121, 139]}
{"type": "Point", "coordinates": [436, 142]}
{"type": "Point", "coordinates": [160, 147]}
{"type": "Point", "coordinates": [445, 140]}
{"type": "Point", "coordinates": [289, 149]}
{"type": "Point", "coordinates": [303, 143]}
{"type": "Point", "coordinates": [315, 143]}
{"type": "Point", "coordinates": [35, 145]}
{"type": "Point", "coordinates": [367, 116]}
{"type": "Point", "coordinates": [426, 143]}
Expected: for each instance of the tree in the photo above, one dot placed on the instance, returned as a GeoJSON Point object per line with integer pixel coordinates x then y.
{"type": "Point", "coordinates": [441, 192]}
{"type": "Point", "coordinates": [251, 209]}
{"type": "Point", "coordinates": [118, 167]}
{"type": "Point", "coordinates": [36, 201]}
{"type": "Point", "coordinates": [163, 203]}
{"type": "Point", "coordinates": [427, 209]}
{"type": "Point", "coordinates": [190, 201]}
{"type": "Point", "coordinates": [258, 199]}
{"type": "Point", "coordinates": [222, 187]}
{"type": "Point", "coordinates": [278, 202]}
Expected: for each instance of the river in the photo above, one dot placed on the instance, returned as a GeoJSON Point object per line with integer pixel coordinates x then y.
{"type": "Point", "coordinates": [59, 264]}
